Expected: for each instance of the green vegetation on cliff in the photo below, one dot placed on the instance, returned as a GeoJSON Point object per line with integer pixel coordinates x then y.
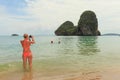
{"type": "Point", "coordinates": [67, 28]}
{"type": "Point", "coordinates": [87, 26]}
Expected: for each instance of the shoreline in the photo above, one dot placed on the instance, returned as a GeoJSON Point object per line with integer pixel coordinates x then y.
{"type": "Point", "coordinates": [58, 72]}
{"type": "Point", "coordinates": [106, 74]}
{"type": "Point", "coordinates": [74, 76]}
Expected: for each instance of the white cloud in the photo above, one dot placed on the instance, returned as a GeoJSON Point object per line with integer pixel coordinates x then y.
{"type": "Point", "coordinates": [48, 15]}
{"type": "Point", "coordinates": [17, 24]}
{"type": "Point", "coordinates": [54, 12]}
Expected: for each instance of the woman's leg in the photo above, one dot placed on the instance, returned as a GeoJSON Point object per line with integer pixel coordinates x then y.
{"type": "Point", "coordinates": [30, 62]}
{"type": "Point", "coordinates": [24, 62]}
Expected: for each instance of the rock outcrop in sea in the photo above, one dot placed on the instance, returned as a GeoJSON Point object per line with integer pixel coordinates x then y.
{"type": "Point", "coordinates": [14, 35]}
{"type": "Point", "coordinates": [67, 28]}
{"type": "Point", "coordinates": [87, 26]}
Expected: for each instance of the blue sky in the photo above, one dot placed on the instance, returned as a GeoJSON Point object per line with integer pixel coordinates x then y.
{"type": "Point", "coordinates": [45, 16]}
{"type": "Point", "coordinates": [13, 6]}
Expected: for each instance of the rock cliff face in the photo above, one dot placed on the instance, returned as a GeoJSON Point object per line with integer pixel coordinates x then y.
{"type": "Point", "coordinates": [87, 26]}
{"type": "Point", "coordinates": [66, 29]}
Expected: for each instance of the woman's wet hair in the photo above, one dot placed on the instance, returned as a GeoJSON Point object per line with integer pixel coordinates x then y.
{"type": "Point", "coordinates": [25, 35]}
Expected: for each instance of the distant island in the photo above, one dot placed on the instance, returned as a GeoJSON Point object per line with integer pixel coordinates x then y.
{"type": "Point", "coordinates": [14, 35]}
{"type": "Point", "coordinates": [111, 34]}
{"type": "Point", "coordinates": [87, 26]}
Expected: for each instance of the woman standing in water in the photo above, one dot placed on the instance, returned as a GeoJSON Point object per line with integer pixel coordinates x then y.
{"type": "Point", "coordinates": [27, 54]}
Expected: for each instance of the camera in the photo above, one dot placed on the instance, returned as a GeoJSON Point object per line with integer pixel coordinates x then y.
{"type": "Point", "coordinates": [30, 36]}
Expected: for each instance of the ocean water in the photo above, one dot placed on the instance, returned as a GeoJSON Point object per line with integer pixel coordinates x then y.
{"type": "Point", "coordinates": [73, 54]}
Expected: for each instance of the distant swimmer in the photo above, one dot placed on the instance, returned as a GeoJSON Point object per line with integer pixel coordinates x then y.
{"type": "Point", "coordinates": [51, 42]}
{"type": "Point", "coordinates": [59, 42]}
{"type": "Point", "coordinates": [27, 54]}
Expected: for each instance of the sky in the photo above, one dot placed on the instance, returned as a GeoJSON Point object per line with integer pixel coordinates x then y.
{"type": "Point", "coordinates": [43, 17]}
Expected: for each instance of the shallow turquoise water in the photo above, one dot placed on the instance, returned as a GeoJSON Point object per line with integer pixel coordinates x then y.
{"type": "Point", "coordinates": [73, 54]}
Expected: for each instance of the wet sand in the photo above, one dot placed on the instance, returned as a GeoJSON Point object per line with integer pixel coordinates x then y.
{"type": "Point", "coordinates": [108, 74]}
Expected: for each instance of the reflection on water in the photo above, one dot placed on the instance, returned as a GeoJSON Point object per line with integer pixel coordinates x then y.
{"type": "Point", "coordinates": [87, 45]}
{"type": "Point", "coordinates": [68, 45]}
{"type": "Point", "coordinates": [27, 76]}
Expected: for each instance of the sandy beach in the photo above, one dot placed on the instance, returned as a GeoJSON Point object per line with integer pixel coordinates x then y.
{"type": "Point", "coordinates": [108, 74]}
{"type": "Point", "coordinates": [74, 76]}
